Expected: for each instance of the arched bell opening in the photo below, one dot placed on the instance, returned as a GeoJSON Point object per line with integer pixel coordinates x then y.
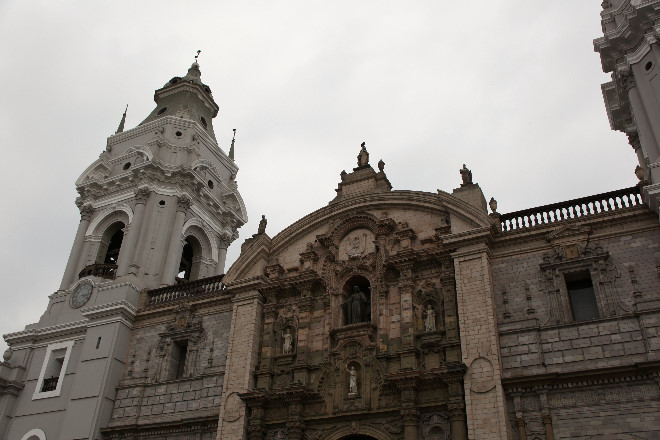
{"type": "Point", "coordinates": [357, 300]}
{"type": "Point", "coordinates": [191, 257]}
{"type": "Point", "coordinates": [111, 244]}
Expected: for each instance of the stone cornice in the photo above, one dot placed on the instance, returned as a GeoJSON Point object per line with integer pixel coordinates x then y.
{"type": "Point", "coordinates": [10, 387]}
{"type": "Point", "coordinates": [633, 20]}
{"type": "Point", "coordinates": [595, 222]}
{"type": "Point", "coordinates": [49, 332]}
{"type": "Point", "coordinates": [601, 376]}
{"type": "Point", "coordinates": [113, 312]}
{"type": "Point", "coordinates": [116, 309]}
{"type": "Point", "coordinates": [152, 126]}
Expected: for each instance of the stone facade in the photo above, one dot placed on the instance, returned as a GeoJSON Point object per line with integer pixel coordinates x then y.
{"type": "Point", "coordinates": [384, 315]}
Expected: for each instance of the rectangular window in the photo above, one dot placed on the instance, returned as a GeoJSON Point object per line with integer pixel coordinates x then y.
{"type": "Point", "coordinates": [53, 370]}
{"type": "Point", "coordinates": [178, 359]}
{"type": "Point", "coordinates": [582, 295]}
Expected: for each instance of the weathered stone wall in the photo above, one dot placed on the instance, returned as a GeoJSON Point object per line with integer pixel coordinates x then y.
{"type": "Point", "coordinates": [150, 394]}
{"type": "Point", "coordinates": [589, 377]}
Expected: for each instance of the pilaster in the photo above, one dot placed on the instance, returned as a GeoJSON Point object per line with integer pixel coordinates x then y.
{"type": "Point", "coordinates": [242, 357]}
{"type": "Point", "coordinates": [484, 395]}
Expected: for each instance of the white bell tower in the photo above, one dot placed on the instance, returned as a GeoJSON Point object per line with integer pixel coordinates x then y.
{"type": "Point", "coordinates": [160, 206]}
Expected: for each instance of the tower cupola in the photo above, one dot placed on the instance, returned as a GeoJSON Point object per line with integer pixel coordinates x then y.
{"type": "Point", "coordinates": [186, 98]}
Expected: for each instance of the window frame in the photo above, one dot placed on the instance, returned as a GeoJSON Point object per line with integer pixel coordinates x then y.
{"type": "Point", "coordinates": [38, 394]}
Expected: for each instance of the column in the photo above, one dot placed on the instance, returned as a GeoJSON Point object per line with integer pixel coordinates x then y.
{"type": "Point", "coordinates": [223, 244]}
{"type": "Point", "coordinates": [127, 251]}
{"type": "Point", "coordinates": [633, 140]}
{"type": "Point", "coordinates": [410, 420]}
{"type": "Point", "coordinates": [648, 137]}
{"type": "Point", "coordinates": [457, 417]}
{"type": "Point", "coordinates": [485, 403]}
{"type": "Point", "coordinates": [173, 257]}
{"type": "Point", "coordinates": [547, 425]}
{"type": "Point", "coordinates": [72, 266]}
{"type": "Point", "coordinates": [406, 288]}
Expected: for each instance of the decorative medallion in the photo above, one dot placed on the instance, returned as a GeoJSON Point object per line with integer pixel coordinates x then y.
{"type": "Point", "coordinates": [232, 407]}
{"type": "Point", "coordinates": [355, 245]}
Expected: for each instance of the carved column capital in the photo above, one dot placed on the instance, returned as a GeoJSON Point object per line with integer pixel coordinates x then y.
{"type": "Point", "coordinates": [224, 240]}
{"type": "Point", "coordinates": [457, 411]}
{"type": "Point", "coordinates": [627, 80]}
{"type": "Point", "coordinates": [183, 204]}
{"type": "Point", "coordinates": [141, 195]}
{"type": "Point", "coordinates": [86, 212]}
{"type": "Point", "coordinates": [410, 416]}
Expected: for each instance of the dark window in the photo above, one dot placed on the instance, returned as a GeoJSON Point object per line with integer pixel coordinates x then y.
{"type": "Point", "coordinates": [582, 296]}
{"type": "Point", "coordinates": [180, 352]}
{"type": "Point", "coordinates": [112, 254]}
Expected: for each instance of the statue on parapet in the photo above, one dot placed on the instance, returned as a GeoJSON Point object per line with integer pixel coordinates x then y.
{"type": "Point", "coordinates": [466, 175]}
{"type": "Point", "coordinates": [262, 225]}
{"type": "Point", "coordinates": [363, 157]}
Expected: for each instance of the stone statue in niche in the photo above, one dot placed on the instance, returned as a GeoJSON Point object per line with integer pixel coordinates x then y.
{"type": "Point", "coordinates": [356, 306]}
{"type": "Point", "coordinates": [287, 345]}
{"type": "Point", "coordinates": [429, 319]}
{"type": "Point", "coordinates": [466, 175]}
{"type": "Point", "coordinates": [352, 381]}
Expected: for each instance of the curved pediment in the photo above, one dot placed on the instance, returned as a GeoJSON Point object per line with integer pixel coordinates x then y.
{"type": "Point", "coordinates": [398, 220]}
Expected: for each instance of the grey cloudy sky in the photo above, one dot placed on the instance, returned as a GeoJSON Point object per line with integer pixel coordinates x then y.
{"type": "Point", "coordinates": [509, 87]}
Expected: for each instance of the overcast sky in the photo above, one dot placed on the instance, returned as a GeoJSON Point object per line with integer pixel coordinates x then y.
{"type": "Point", "coordinates": [510, 88]}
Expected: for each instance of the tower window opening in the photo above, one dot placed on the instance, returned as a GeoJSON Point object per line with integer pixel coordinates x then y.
{"type": "Point", "coordinates": [162, 203]}
{"type": "Point", "coordinates": [178, 134]}
{"type": "Point", "coordinates": [112, 253]}
{"type": "Point", "coordinates": [648, 66]}
{"type": "Point", "coordinates": [191, 257]}
{"type": "Point", "coordinates": [210, 184]}
{"type": "Point", "coordinates": [582, 296]}
{"type": "Point", "coordinates": [186, 262]}
{"type": "Point", "coordinates": [161, 111]}
{"type": "Point", "coordinates": [203, 121]}
{"type": "Point", "coordinates": [127, 165]}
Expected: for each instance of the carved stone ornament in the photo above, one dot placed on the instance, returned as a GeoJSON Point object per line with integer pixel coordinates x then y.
{"type": "Point", "coordinates": [141, 195]}
{"type": "Point", "coordinates": [184, 203]}
{"type": "Point", "coordinates": [86, 212]}
{"type": "Point", "coordinates": [232, 407]}
{"type": "Point", "coordinates": [355, 245]}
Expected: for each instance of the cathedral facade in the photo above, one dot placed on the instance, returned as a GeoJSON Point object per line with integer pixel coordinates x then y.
{"type": "Point", "coordinates": [385, 314]}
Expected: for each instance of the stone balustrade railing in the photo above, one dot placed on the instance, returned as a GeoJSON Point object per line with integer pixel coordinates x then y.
{"type": "Point", "coordinates": [186, 289]}
{"type": "Point", "coordinates": [610, 201]}
{"type": "Point", "coordinates": [107, 271]}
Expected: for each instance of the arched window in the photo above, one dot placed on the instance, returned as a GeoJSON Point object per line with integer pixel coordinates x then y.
{"type": "Point", "coordinates": [191, 257]}
{"type": "Point", "coordinates": [111, 244]}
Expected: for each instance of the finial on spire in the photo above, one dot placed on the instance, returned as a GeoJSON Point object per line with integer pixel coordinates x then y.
{"type": "Point", "coordinates": [197, 56]}
{"type": "Point", "coordinates": [123, 122]}
{"type": "Point", "coordinates": [231, 149]}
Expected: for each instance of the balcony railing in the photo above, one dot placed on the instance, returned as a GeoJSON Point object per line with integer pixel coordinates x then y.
{"type": "Point", "coordinates": [108, 271]}
{"type": "Point", "coordinates": [49, 384]}
{"type": "Point", "coordinates": [585, 206]}
{"type": "Point", "coordinates": [186, 289]}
